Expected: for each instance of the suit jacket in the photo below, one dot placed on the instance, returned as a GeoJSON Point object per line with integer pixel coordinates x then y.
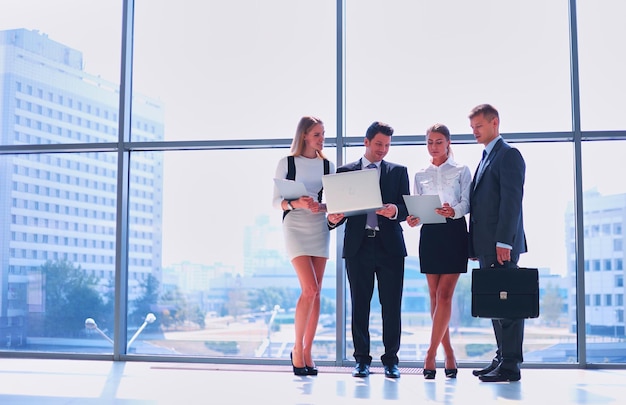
{"type": "Point", "coordinates": [496, 203]}
{"type": "Point", "coordinates": [394, 183]}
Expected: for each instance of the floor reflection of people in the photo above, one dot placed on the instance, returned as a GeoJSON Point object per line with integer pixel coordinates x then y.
{"type": "Point", "coordinates": [390, 389]}
{"type": "Point", "coordinates": [509, 391]}
{"type": "Point", "coordinates": [362, 389]}
{"type": "Point", "coordinates": [448, 396]}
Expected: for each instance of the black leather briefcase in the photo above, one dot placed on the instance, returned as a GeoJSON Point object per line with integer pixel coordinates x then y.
{"type": "Point", "coordinates": [505, 293]}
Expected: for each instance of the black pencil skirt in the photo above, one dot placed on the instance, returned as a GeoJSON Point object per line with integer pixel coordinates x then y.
{"type": "Point", "coordinates": [443, 248]}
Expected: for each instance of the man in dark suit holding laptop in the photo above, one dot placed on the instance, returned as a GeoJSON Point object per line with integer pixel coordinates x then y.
{"type": "Point", "coordinates": [374, 247]}
{"type": "Point", "coordinates": [496, 230]}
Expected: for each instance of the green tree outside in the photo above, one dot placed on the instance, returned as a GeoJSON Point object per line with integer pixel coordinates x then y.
{"type": "Point", "coordinates": [71, 296]}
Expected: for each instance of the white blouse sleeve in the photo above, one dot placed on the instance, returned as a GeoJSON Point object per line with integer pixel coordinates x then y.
{"type": "Point", "coordinates": [462, 208]}
{"type": "Point", "coordinates": [281, 173]}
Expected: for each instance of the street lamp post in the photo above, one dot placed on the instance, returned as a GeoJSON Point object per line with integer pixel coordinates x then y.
{"type": "Point", "coordinates": [149, 319]}
{"type": "Point", "coordinates": [269, 329]}
{"type": "Point", "coordinates": [91, 325]}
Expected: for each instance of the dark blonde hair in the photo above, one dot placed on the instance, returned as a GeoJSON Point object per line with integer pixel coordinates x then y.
{"type": "Point", "coordinates": [304, 126]}
{"type": "Point", "coordinates": [487, 110]}
{"type": "Point", "coordinates": [443, 130]}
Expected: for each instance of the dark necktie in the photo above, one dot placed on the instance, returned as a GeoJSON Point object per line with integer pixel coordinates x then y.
{"type": "Point", "coordinates": [372, 218]}
{"type": "Point", "coordinates": [481, 167]}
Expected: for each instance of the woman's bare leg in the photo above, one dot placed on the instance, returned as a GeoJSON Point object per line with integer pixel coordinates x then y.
{"type": "Point", "coordinates": [307, 307]}
{"type": "Point", "coordinates": [441, 289]}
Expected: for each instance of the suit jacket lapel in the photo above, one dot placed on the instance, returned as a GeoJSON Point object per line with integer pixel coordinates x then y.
{"type": "Point", "coordinates": [490, 157]}
{"type": "Point", "coordinates": [474, 184]}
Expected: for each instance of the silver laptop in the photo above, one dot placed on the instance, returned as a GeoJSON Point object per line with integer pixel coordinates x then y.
{"type": "Point", "coordinates": [352, 193]}
{"type": "Point", "coordinates": [423, 207]}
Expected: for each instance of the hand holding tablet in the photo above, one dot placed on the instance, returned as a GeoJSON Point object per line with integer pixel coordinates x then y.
{"type": "Point", "coordinates": [289, 189]}
{"type": "Point", "coordinates": [423, 207]}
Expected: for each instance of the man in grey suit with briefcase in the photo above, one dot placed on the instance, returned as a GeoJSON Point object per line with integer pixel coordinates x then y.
{"type": "Point", "coordinates": [496, 230]}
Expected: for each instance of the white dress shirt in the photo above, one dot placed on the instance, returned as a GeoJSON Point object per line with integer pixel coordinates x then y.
{"type": "Point", "coordinates": [451, 181]}
{"type": "Point", "coordinates": [364, 164]}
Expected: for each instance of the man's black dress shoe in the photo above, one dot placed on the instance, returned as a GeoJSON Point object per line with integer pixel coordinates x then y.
{"type": "Point", "coordinates": [486, 370]}
{"type": "Point", "coordinates": [392, 371]}
{"type": "Point", "coordinates": [501, 375]}
{"type": "Point", "coordinates": [361, 370]}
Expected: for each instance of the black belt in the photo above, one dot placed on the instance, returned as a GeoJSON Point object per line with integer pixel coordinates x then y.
{"type": "Point", "coordinates": [371, 233]}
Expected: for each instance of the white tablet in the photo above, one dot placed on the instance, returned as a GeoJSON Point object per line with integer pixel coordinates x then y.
{"type": "Point", "coordinates": [290, 189]}
{"type": "Point", "coordinates": [423, 207]}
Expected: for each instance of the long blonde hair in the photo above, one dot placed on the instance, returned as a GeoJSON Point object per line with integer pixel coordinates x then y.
{"type": "Point", "coordinates": [304, 126]}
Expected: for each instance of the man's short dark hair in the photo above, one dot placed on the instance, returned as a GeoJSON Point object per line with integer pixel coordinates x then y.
{"type": "Point", "coordinates": [377, 127]}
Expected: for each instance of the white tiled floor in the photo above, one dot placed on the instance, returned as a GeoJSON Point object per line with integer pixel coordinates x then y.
{"type": "Point", "coordinates": [41, 382]}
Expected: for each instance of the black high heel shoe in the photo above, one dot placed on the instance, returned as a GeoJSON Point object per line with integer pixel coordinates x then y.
{"type": "Point", "coordinates": [451, 372]}
{"type": "Point", "coordinates": [297, 370]}
{"type": "Point", "coordinates": [429, 374]}
{"type": "Point", "coordinates": [311, 370]}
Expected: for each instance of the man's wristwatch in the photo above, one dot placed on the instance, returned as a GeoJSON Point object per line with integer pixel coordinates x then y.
{"type": "Point", "coordinates": [289, 205]}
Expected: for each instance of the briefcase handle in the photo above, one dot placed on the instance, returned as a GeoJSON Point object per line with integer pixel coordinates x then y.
{"type": "Point", "coordinates": [493, 266]}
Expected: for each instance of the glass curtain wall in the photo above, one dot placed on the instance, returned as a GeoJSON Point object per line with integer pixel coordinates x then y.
{"type": "Point", "coordinates": [217, 90]}
{"type": "Point", "coordinates": [225, 287]}
{"type": "Point", "coordinates": [418, 71]}
{"type": "Point", "coordinates": [236, 70]}
{"type": "Point", "coordinates": [59, 69]}
{"type": "Point", "coordinates": [604, 213]}
{"type": "Point", "coordinates": [602, 85]}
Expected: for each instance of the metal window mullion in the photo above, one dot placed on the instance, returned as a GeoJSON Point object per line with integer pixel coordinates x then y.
{"type": "Point", "coordinates": [123, 173]}
{"type": "Point", "coordinates": [341, 316]}
{"type": "Point", "coordinates": [578, 187]}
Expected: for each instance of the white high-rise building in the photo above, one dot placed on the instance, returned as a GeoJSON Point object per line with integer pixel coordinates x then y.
{"type": "Point", "coordinates": [62, 206]}
{"type": "Point", "coordinates": [605, 220]}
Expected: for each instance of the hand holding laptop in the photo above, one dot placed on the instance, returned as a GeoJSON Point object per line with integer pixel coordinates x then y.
{"type": "Point", "coordinates": [334, 219]}
{"type": "Point", "coordinates": [387, 211]}
{"type": "Point", "coordinates": [353, 192]}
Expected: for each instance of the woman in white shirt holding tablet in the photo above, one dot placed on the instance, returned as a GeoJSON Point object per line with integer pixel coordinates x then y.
{"type": "Point", "coordinates": [443, 248]}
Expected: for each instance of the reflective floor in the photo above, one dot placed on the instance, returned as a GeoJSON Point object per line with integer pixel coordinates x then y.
{"type": "Point", "coordinates": [41, 382]}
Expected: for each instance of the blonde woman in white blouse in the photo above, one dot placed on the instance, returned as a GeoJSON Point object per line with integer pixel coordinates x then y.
{"type": "Point", "coordinates": [443, 248]}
